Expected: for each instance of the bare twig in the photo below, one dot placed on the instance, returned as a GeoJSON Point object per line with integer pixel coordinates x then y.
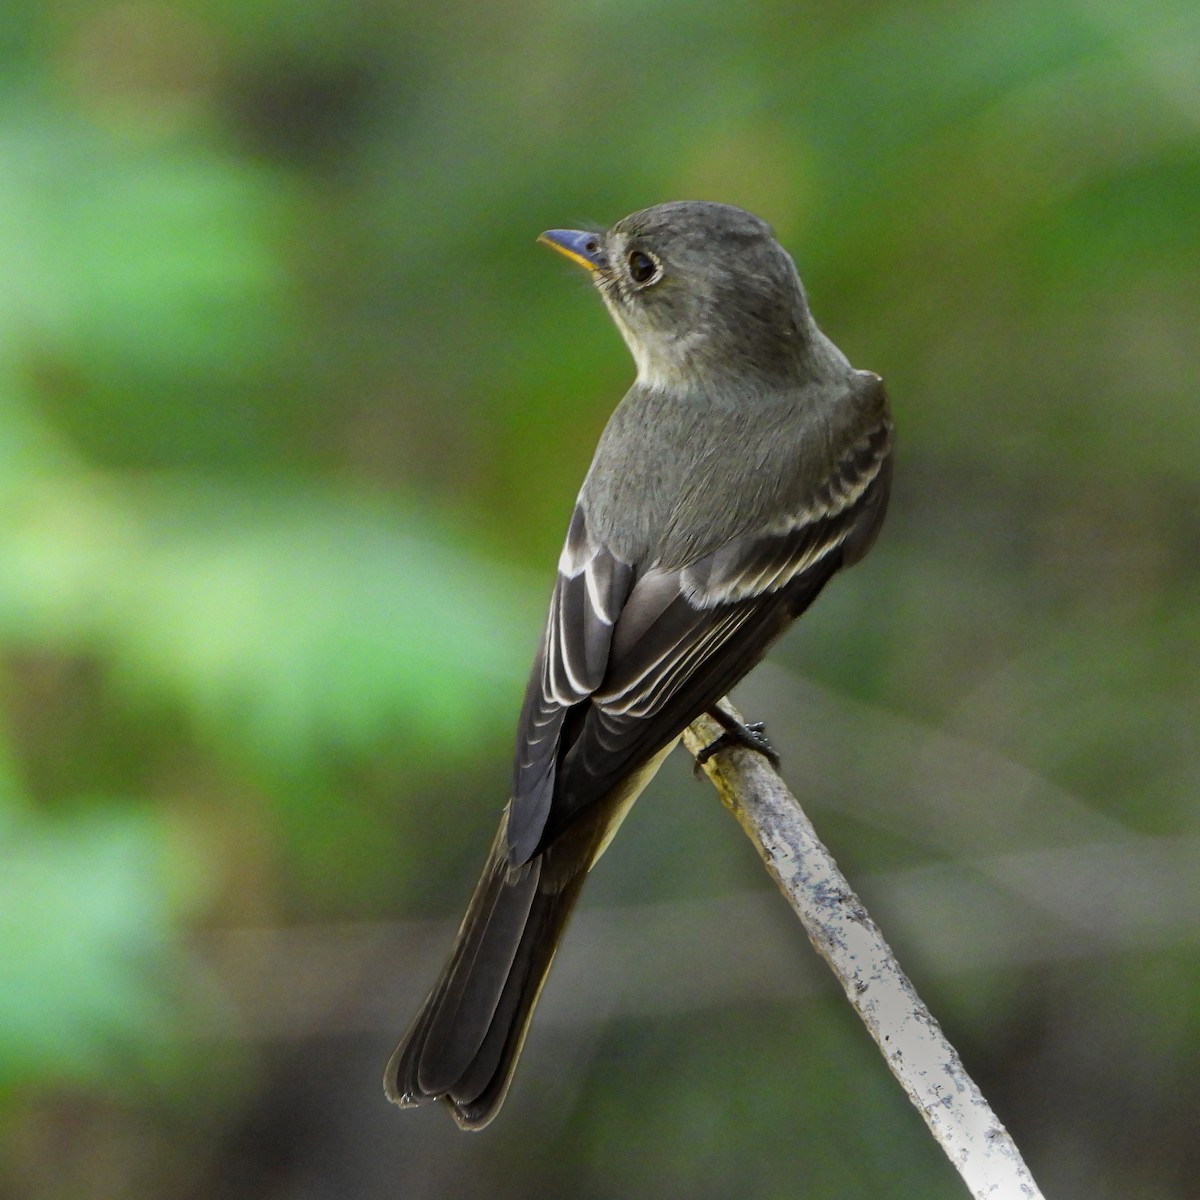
{"type": "Point", "coordinates": [911, 1041]}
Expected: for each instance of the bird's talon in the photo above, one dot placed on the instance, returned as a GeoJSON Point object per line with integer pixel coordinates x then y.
{"type": "Point", "coordinates": [752, 736]}
{"type": "Point", "coordinates": [714, 747]}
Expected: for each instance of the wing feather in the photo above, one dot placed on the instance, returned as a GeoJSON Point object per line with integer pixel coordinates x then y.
{"type": "Point", "coordinates": [628, 661]}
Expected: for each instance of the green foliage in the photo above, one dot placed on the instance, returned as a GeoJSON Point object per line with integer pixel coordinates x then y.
{"type": "Point", "coordinates": [85, 943]}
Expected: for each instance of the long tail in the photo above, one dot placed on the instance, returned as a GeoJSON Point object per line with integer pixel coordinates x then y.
{"type": "Point", "coordinates": [462, 1048]}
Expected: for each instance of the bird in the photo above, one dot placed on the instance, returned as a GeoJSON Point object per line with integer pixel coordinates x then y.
{"type": "Point", "coordinates": [747, 464]}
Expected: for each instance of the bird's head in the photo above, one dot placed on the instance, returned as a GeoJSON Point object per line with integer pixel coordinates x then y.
{"type": "Point", "coordinates": [698, 289]}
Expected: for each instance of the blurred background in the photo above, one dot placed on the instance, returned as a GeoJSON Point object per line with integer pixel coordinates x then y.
{"type": "Point", "coordinates": [292, 415]}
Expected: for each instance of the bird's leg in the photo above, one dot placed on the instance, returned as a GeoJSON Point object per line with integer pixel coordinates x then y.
{"type": "Point", "coordinates": [752, 736]}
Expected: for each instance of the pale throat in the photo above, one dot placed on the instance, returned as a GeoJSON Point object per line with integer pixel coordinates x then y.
{"type": "Point", "coordinates": [667, 365]}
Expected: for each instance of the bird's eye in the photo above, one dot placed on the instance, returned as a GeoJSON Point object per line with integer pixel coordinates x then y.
{"type": "Point", "coordinates": [642, 268]}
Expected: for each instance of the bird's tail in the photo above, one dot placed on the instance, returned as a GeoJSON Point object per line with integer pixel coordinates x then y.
{"type": "Point", "coordinates": [462, 1048]}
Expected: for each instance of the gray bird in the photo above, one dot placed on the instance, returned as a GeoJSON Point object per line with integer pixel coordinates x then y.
{"type": "Point", "coordinates": [748, 462]}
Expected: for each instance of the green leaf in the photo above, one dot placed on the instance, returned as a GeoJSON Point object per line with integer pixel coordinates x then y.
{"type": "Point", "coordinates": [84, 947]}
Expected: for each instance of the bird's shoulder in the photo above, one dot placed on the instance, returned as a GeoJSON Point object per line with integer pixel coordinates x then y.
{"type": "Point", "coordinates": [795, 457]}
{"type": "Point", "coordinates": [678, 474]}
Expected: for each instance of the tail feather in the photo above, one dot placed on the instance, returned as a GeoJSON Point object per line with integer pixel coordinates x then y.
{"type": "Point", "coordinates": [488, 943]}
{"type": "Point", "coordinates": [463, 1046]}
{"type": "Point", "coordinates": [479, 1093]}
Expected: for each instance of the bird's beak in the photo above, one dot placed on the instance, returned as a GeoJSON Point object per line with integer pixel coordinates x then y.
{"type": "Point", "coordinates": [580, 247]}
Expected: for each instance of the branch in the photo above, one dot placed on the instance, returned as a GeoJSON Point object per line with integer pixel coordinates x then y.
{"type": "Point", "coordinates": [911, 1041]}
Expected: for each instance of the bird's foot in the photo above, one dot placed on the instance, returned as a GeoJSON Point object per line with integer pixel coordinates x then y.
{"type": "Point", "coordinates": [751, 735]}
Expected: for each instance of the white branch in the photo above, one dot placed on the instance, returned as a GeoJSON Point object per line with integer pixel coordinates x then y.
{"type": "Point", "coordinates": [911, 1041]}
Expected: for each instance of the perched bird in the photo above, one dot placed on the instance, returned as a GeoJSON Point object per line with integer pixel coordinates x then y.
{"type": "Point", "coordinates": [748, 462]}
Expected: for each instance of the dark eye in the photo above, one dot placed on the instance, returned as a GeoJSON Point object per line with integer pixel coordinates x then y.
{"type": "Point", "coordinates": [642, 268]}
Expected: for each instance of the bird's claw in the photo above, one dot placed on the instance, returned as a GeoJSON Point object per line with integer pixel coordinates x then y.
{"type": "Point", "coordinates": [752, 736]}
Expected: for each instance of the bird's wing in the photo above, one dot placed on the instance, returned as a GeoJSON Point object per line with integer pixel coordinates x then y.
{"type": "Point", "coordinates": [589, 596]}
{"type": "Point", "coordinates": [629, 660]}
